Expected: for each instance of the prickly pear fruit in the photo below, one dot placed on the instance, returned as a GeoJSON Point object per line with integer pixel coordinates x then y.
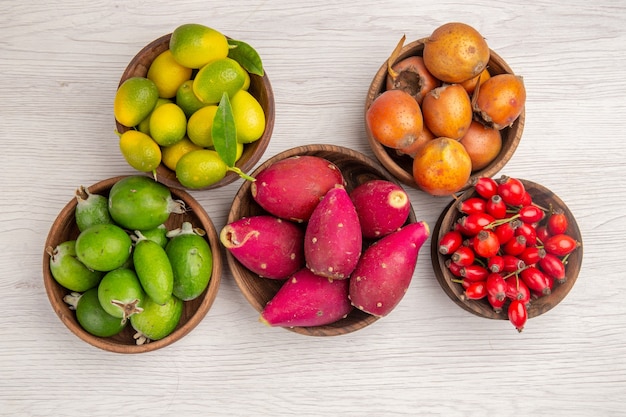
{"type": "Point", "coordinates": [266, 245]}
{"type": "Point", "coordinates": [307, 299]}
{"type": "Point", "coordinates": [292, 187]}
{"type": "Point", "coordinates": [382, 206]}
{"type": "Point", "coordinates": [384, 272]}
{"type": "Point", "coordinates": [333, 239]}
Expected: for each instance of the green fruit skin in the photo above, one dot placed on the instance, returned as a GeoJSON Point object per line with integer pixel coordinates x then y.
{"type": "Point", "coordinates": [158, 321]}
{"type": "Point", "coordinates": [192, 262]}
{"type": "Point", "coordinates": [103, 247]}
{"type": "Point", "coordinates": [139, 203]}
{"type": "Point", "coordinates": [94, 319]}
{"type": "Point", "coordinates": [91, 211]}
{"type": "Point", "coordinates": [120, 285]}
{"type": "Point", "coordinates": [70, 272]}
{"type": "Point", "coordinates": [154, 270]}
{"type": "Point", "coordinates": [158, 235]}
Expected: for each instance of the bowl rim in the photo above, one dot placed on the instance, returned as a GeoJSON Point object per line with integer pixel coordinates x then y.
{"type": "Point", "coordinates": [67, 317]}
{"type": "Point", "coordinates": [260, 87]}
{"type": "Point", "coordinates": [333, 329]}
{"type": "Point", "coordinates": [477, 307]}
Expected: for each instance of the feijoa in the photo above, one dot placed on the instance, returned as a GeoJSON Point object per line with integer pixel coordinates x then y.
{"type": "Point", "coordinates": [138, 202]}
{"type": "Point", "coordinates": [157, 321]}
{"type": "Point", "coordinates": [103, 247]}
{"type": "Point", "coordinates": [91, 209]}
{"type": "Point", "coordinates": [158, 235]}
{"type": "Point", "coordinates": [91, 316]}
{"type": "Point", "coordinates": [120, 293]}
{"type": "Point", "coordinates": [153, 269]}
{"type": "Point", "coordinates": [191, 259]}
{"type": "Point", "coordinates": [70, 272]}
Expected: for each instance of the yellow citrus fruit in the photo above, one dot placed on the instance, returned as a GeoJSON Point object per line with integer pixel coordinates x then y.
{"type": "Point", "coordinates": [249, 117]}
{"type": "Point", "coordinates": [240, 147]}
{"type": "Point", "coordinates": [200, 124]}
{"type": "Point", "coordinates": [194, 45]}
{"type": "Point", "coordinates": [218, 77]}
{"type": "Point", "coordinates": [140, 151]}
{"type": "Point", "coordinates": [201, 168]}
{"type": "Point", "coordinates": [187, 100]}
{"type": "Point", "coordinates": [168, 124]}
{"type": "Point", "coordinates": [442, 166]}
{"type": "Point", "coordinates": [246, 82]}
{"type": "Point", "coordinates": [144, 125]}
{"type": "Point", "coordinates": [171, 154]}
{"type": "Point", "coordinates": [167, 74]}
{"type": "Point", "coordinates": [134, 100]}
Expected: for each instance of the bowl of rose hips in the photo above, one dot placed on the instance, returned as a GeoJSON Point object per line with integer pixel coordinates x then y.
{"type": "Point", "coordinates": [430, 97]}
{"type": "Point", "coordinates": [507, 249]}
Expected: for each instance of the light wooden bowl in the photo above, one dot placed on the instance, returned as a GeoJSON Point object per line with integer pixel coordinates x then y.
{"type": "Point", "coordinates": [544, 198]}
{"type": "Point", "coordinates": [260, 88]}
{"type": "Point", "coordinates": [64, 228]}
{"type": "Point", "coordinates": [356, 169]}
{"type": "Point", "coordinates": [401, 166]}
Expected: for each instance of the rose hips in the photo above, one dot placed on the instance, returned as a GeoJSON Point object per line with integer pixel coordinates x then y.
{"type": "Point", "coordinates": [495, 303]}
{"type": "Point", "coordinates": [495, 264]}
{"type": "Point", "coordinates": [506, 231]}
{"type": "Point", "coordinates": [475, 291]}
{"type": "Point", "coordinates": [515, 246]}
{"type": "Point", "coordinates": [560, 245]}
{"type": "Point", "coordinates": [531, 214]}
{"type": "Point", "coordinates": [512, 263]}
{"type": "Point", "coordinates": [511, 190]}
{"type": "Point", "coordinates": [542, 233]}
{"type": "Point", "coordinates": [473, 205]}
{"type": "Point", "coordinates": [463, 256]}
{"type": "Point", "coordinates": [557, 223]}
{"type": "Point", "coordinates": [486, 187]}
{"type": "Point", "coordinates": [527, 200]}
{"type": "Point", "coordinates": [496, 287]}
{"type": "Point", "coordinates": [496, 207]}
{"type": "Point", "coordinates": [518, 314]}
{"type": "Point", "coordinates": [529, 233]}
{"type": "Point", "coordinates": [531, 255]}
{"type": "Point", "coordinates": [450, 242]}
{"type": "Point", "coordinates": [516, 289]}
{"type": "Point", "coordinates": [474, 272]}
{"type": "Point", "coordinates": [486, 244]}
{"type": "Point", "coordinates": [454, 268]}
{"type": "Point", "coordinates": [473, 223]}
{"type": "Point", "coordinates": [553, 266]}
{"type": "Point", "coordinates": [535, 280]}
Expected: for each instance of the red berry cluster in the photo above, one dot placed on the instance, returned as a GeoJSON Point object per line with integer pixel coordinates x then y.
{"type": "Point", "coordinates": [505, 248]}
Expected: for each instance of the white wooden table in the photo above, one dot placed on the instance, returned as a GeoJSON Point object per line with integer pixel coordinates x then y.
{"type": "Point", "coordinates": [60, 63]}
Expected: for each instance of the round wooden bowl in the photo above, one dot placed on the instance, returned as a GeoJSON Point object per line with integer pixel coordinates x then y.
{"type": "Point", "coordinates": [356, 169]}
{"type": "Point", "coordinates": [544, 198]}
{"type": "Point", "coordinates": [260, 88]}
{"type": "Point", "coordinates": [401, 166]}
{"type": "Point", "coordinates": [64, 228]}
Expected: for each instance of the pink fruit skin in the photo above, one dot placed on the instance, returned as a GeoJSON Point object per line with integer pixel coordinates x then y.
{"type": "Point", "coordinates": [266, 245]}
{"type": "Point", "coordinates": [382, 206]}
{"type": "Point", "coordinates": [384, 273]}
{"type": "Point", "coordinates": [307, 299]}
{"type": "Point", "coordinates": [333, 239]}
{"type": "Point", "coordinates": [291, 188]}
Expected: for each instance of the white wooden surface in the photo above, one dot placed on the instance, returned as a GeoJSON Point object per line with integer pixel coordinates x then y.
{"type": "Point", "coordinates": [60, 63]}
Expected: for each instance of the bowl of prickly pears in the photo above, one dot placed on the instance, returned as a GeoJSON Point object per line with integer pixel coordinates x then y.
{"type": "Point", "coordinates": [324, 242]}
{"type": "Point", "coordinates": [507, 249]}
{"type": "Point", "coordinates": [131, 265]}
{"type": "Point", "coordinates": [439, 113]}
{"type": "Point", "coordinates": [195, 108]}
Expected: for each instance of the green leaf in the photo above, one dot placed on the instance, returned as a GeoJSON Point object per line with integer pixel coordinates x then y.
{"type": "Point", "coordinates": [224, 132]}
{"type": "Point", "coordinates": [246, 55]}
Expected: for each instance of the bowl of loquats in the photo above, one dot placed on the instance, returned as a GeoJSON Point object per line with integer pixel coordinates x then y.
{"type": "Point", "coordinates": [124, 290]}
{"type": "Point", "coordinates": [173, 78]}
{"type": "Point", "coordinates": [507, 249]}
{"type": "Point", "coordinates": [308, 259]}
{"type": "Point", "coordinates": [480, 106]}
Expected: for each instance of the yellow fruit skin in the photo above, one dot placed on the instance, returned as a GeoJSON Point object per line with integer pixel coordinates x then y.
{"type": "Point", "coordinates": [168, 124]}
{"type": "Point", "coordinates": [171, 154]}
{"type": "Point", "coordinates": [201, 168]}
{"type": "Point", "coordinates": [218, 77]}
{"type": "Point", "coordinates": [200, 124]}
{"type": "Point", "coordinates": [167, 74]}
{"type": "Point", "coordinates": [194, 45]}
{"type": "Point", "coordinates": [442, 167]}
{"type": "Point", "coordinates": [249, 117]}
{"type": "Point", "coordinates": [140, 151]}
{"type": "Point", "coordinates": [134, 100]}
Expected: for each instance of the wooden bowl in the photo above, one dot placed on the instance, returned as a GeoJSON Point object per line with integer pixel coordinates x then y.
{"type": "Point", "coordinates": [64, 228]}
{"type": "Point", "coordinates": [356, 169]}
{"type": "Point", "coordinates": [260, 88]}
{"type": "Point", "coordinates": [544, 198]}
{"type": "Point", "coordinates": [401, 166]}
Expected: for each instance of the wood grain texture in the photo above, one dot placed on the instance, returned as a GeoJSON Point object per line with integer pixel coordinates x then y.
{"type": "Point", "coordinates": [61, 63]}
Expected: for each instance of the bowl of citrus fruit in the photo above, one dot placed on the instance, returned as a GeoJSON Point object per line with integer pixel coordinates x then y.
{"type": "Point", "coordinates": [131, 265]}
{"type": "Point", "coordinates": [195, 108]}
{"type": "Point", "coordinates": [445, 110]}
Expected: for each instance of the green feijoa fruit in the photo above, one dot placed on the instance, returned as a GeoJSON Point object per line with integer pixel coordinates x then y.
{"type": "Point", "coordinates": [157, 321]}
{"type": "Point", "coordinates": [91, 316]}
{"type": "Point", "coordinates": [153, 269]}
{"type": "Point", "coordinates": [70, 272]}
{"type": "Point", "coordinates": [137, 202]}
{"type": "Point", "coordinates": [120, 293]}
{"type": "Point", "coordinates": [158, 235]}
{"type": "Point", "coordinates": [91, 209]}
{"type": "Point", "coordinates": [191, 259]}
{"type": "Point", "coordinates": [103, 247]}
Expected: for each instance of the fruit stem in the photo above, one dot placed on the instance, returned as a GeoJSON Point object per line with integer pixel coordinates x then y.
{"type": "Point", "coordinates": [241, 174]}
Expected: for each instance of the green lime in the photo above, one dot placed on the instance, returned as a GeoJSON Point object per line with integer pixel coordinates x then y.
{"type": "Point", "coordinates": [187, 100]}
{"type": "Point", "coordinates": [134, 100]}
{"type": "Point", "coordinates": [218, 77]}
{"type": "Point", "coordinates": [103, 247]}
{"type": "Point", "coordinates": [200, 168]}
{"type": "Point", "coordinates": [193, 45]}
